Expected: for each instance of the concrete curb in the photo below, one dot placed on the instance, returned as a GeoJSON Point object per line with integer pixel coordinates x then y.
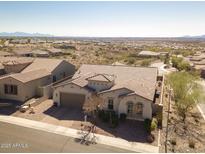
{"type": "Point", "coordinates": [101, 139]}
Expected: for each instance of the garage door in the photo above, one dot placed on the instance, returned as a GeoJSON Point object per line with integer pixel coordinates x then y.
{"type": "Point", "coordinates": [72, 100]}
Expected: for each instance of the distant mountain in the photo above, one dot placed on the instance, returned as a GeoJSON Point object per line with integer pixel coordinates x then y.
{"type": "Point", "coordinates": [199, 36]}
{"type": "Point", "coordinates": [23, 34]}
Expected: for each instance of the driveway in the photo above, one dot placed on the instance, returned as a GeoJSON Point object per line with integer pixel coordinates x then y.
{"type": "Point", "coordinates": [74, 118]}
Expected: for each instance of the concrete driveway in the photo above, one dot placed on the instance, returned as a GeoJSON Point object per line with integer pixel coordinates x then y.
{"type": "Point", "coordinates": [74, 118]}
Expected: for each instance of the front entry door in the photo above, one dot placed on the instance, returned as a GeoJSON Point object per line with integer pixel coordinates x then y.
{"type": "Point", "coordinates": [134, 110]}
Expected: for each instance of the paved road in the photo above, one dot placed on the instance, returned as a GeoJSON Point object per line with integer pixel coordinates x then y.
{"type": "Point", "coordinates": [15, 138]}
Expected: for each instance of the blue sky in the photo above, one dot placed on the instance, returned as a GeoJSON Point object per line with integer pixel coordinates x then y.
{"type": "Point", "coordinates": [120, 19]}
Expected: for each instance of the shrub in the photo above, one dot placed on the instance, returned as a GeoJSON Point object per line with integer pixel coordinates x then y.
{"type": "Point", "coordinates": [191, 144]}
{"type": "Point", "coordinates": [146, 62]}
{"type": "Point", "coordinates": [105, 117]}
{"type": "Point", "coordinates": [159, 119]}
{"type": "Point", "coordinates": [150, 138]}
{"type": "Point", "coordinates": [154, 124]}
{"type": "Point", "coordinates": [123, 116]}
{"type": "Point", "coordinates": [114, 121]}
{"type": "Point", "coordinates": [100, 114]}
{"type": "Point", "coordinates": [131, 60]}
{"type": "Point", "coordinates": [147, 125]}
{"type": "Point", "coordinates": [173, 141]}
{"type": "Point", "coordinates": [74, 56]}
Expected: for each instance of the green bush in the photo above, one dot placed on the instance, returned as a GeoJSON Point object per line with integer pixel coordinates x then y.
{"type": "Point", "coordinates": [131, 60]}
{"type": "Point", "coordinates": [123, 116]}
{"type": "Point", "coordinates": [146, 62]}
{"type": "Point", "coordinates": [147, 125]}
{"type": "Point", "coordinates": [153, 124]}
{"type": "Point", "coordinates": [114, 121]}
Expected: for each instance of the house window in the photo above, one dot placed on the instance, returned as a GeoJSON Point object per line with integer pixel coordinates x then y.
{"type": "Point", "coordinates": [130, 108]}
{"type": "Point", "coordinates": [10, 89]}
{"type": "Point", "coordinates": [110, 104]}
{"type": "Point", "coordinates": [139, 108]}
{"type": "Point", "coordinates": [54, 78]}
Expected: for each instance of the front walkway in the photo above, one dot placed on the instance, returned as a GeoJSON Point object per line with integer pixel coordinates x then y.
{"type": "Point", "coordinates": [101, 139]}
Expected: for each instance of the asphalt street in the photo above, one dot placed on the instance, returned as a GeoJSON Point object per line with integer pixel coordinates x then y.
{"type": "Point", "coordinates": [15, 138]}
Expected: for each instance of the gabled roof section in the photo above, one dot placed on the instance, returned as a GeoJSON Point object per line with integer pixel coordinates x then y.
{"type": "Point", "coordinates": [43, 63]}
{"type": "Point", "coordinates": [101, 77]}
{"type": "Point", "coordinates": [28, 76]}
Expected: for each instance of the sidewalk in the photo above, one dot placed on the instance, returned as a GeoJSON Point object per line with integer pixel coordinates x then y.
{"type": "Point", "coordinates": [101, 139]}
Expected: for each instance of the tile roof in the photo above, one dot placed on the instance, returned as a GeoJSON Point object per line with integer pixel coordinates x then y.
{"type": "Point", "coordinates": [141, 80]}
{"type": "Point", "coordinates": [101, 77]}
{"type": "Point", "coordinates": [43, 63]}
{"type": "Point", "coordinates": [15, 60]}
{"type": "Point", "coordinates": [28, 76]}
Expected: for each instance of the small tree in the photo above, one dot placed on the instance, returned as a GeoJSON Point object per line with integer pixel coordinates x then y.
{"type": "Point", "coordinates": [187, 92]}
{"type": "Point", "coordinates": [91, 105]}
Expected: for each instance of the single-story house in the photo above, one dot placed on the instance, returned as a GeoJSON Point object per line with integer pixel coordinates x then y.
{"type": "Point", "coordinates": [15, 64]}
{"type": "Point", "coordinates": [40, 53]}
{"type": "Point", "coordinates": [23, 53]}
{"type": "Point", "coordinates": [123, 89]}
{"type": "Point", "coordinates": [5, 54]}
{"type": "Point", "coordinates": [27, 77]}
{"type": "Point", "coordinates": [23, 86]}
{"type": "Point", "coordinates": [55, 52]}
{"type": "Point", "coordinates": [148, 54]}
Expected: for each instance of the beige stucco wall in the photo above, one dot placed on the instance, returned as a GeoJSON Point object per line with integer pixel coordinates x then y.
{"type": "Point", "coordinates": [147, 105]}
{"type": "Point", "coordinates": [120, 103]}
{"type": "Point", "coordinates": [66, 67]}
{"type": "Point", "coordinates": [69, 88]}
{"type": "Point", "coordinates": [33, 88]}
{"type": "Point", "coordinates": [114, 95]}
{"type": "Point", "coordinates": [25, 90]}
{"type": "Point", "coordinates": [10, 80]}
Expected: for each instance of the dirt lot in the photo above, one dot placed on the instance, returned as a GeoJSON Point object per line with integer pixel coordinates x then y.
{"type": "Point", "coordinates": [45, 112]}
{"type": "Point", "coordinates": [179, 135]}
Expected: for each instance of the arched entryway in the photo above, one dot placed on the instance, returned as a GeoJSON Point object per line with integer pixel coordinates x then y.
{"type": "Point", "coordinates": [134, 110]}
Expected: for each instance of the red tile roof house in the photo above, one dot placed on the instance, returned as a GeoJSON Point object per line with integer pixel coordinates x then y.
{"type": "Point", "coordinates": [124, 89]}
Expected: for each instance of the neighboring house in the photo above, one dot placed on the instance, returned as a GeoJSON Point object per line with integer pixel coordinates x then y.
{"type": "Point", "coordinates": [123, 89]}
{"type": "Point", "coordinates": [40, 53]}
{"type": "Point", "coordinates": [5, 54]}
{"type": "Point", "coordinates": [59, 69]}
{"type": "Point", "coordinates": [152, 54]}
{"type": "Point", "coordinates": [55, 52]}
{"type": "Point", "coordinates": [23, 53]}
{"type": "Point", "coordinates": [23, 86]}
{"type": "Point", "coordinates": [148, 54]}
{"type": "Point", "coordinates": [23, 78]}
{"type": "Point", "coordinates": [197, 62]}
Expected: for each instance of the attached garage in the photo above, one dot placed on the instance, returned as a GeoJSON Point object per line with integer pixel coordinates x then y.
{"type": "Point", "coordinates": [72, 100]}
